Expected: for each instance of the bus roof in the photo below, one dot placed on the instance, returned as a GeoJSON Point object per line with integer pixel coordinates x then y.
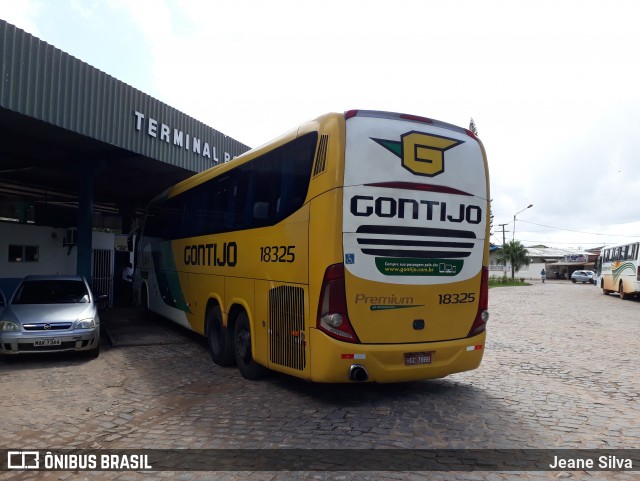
{"type": "Point", "coordinates": [219, 169]}
{"type": "Point", "coordinates": [292, 134]}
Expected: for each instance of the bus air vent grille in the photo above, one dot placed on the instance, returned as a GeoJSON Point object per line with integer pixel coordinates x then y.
{"type": "Point", "coordinates": [286, 322]}
{"type": "Point", "coordinates": [415, 242]}
{"type": "Point", "coordinates": [321, 157]}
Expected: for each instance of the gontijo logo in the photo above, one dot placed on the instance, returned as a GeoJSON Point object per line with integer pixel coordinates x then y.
{"type": "Point", "coordinates": [421, 154]}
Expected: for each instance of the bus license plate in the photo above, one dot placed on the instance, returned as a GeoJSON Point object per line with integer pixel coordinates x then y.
{"type": "Point", "coordinates": [417, 358]}
{"type": "Point", "coordinates": [50, 341]}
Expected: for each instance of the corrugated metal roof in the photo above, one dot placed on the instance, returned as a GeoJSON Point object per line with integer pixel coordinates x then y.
{"type": "Point", "coordinates": [43, 82]}
{"type": "Point", "coordinates": [550, 252]}
{"type": "Point", "coordinates": [554, 252]}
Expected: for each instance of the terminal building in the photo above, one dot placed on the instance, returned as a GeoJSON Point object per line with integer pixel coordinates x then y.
{"type": "Point", "coordinates": [81, 154]}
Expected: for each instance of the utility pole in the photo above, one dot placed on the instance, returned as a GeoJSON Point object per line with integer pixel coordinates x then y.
{"type": "Point", "coordinates": [503, 231]}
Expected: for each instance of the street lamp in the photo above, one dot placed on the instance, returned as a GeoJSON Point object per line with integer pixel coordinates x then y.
{"type": "Point", "coordinates": [514, 220]}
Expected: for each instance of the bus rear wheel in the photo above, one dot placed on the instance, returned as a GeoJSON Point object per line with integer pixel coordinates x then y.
{"type": "Point", "coordinates": [218, 342]}
{"type": "Point", "coordinates": [242, 348]}
{"type": "Point", "coordinates": [623, 296]}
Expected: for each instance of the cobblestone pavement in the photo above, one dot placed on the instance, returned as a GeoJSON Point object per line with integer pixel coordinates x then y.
{"type": "Point", "coordinates": [560, 371]}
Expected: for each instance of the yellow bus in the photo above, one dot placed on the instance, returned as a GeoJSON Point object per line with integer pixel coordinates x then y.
{"type": "Point", "coordinates": [619, 269]}
{"type": "Point", "coordinates": [352, 249]}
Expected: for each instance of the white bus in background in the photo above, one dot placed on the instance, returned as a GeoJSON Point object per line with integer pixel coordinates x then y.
{"type": "Point", "coordinates": [619, 270]}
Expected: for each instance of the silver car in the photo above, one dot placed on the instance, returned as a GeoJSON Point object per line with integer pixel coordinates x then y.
{"type": "Point", "coordinates": [582, 276]}
{"type": "Point", "coordinates": [50, 314]}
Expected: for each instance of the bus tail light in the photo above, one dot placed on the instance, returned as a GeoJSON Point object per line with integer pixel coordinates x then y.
{"type": "Point", "coordinates": [471, 134]}
{"type": "Point", "coordinates": [480, 323]}
{"type": "Point", "coordinates": [332, 308]}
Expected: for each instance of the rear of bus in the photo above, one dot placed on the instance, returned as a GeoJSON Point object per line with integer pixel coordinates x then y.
{"type": "Point", "coordinates": [409, 298]}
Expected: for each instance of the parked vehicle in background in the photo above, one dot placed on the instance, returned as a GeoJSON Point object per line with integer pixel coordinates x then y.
{"type": "Point", "coordinates": [582, 276]}
{"type": "Point", "coordinates": [50, 314]}
{"type": "Point", "coordinates": [621, 270]}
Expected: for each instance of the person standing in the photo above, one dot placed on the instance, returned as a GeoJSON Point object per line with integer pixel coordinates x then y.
{"type": "Point", "coordinates": [127, 285]}
{"type": "Point", "coordinates": [543, 275]}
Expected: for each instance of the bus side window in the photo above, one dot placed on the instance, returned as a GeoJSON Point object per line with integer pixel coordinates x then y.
{"type": "Point", "coordinates": [260, 210]}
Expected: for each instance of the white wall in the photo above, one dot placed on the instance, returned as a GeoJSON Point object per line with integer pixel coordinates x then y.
{"type": "Point", "coordinates": [53, 258]}
{"type": "Point", "coordinates": [532, 271]}
{"type": "Point", "coordinates": [103, 240]}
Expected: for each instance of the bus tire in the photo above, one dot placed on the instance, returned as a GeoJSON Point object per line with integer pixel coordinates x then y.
{"type": "Point", "coordinates": [242, 349]}
{"type": "Point", "coordinates": [144, 302]}
{"type": "Point", "coordinates": [218, 342]}
{"type": "Point", "coordinates": [623, 296]}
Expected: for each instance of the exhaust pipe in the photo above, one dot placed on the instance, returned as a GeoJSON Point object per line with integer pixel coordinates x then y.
{"type": "Point", "coordinates": [358, 373]}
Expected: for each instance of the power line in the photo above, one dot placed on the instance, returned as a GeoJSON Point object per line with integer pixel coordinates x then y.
{"type": "Point", "coordinates": [503, 232]}
{"type": "Point", "coordinates": [578, 231]}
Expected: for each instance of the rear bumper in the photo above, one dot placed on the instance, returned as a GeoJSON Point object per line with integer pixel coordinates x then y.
{"type": "Point", "coordinates": [331, 359]}
{"type": "Point", "coordinates": [22, 343]}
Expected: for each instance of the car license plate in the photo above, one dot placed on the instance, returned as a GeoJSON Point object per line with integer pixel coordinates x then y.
{"type": "Point", "coordinates": [49, 341]}
{"type": "Point", "coordinates": [417, 358]}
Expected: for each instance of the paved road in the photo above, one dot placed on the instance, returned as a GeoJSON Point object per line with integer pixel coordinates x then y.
{"type": "Point", "coordinates": [560, 371]}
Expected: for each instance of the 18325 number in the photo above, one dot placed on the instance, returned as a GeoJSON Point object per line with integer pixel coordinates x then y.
{"type": "Point", "coordinates": [461, 298]}
{"type": "Point", "coordinates": [277, 254]}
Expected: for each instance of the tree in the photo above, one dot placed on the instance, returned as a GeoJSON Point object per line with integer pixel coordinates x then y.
{"type": "Point", "coordinates": [490, 218]}
{"type": "Point", "coordinates": [472, 127]}
{"type": "Point", "coordinates": [515, 253]}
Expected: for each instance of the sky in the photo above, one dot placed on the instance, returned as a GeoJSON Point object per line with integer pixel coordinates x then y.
{"type": "Point", "coordinates": [552, 86]}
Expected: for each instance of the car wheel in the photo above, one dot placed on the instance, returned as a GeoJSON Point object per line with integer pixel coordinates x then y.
{"type": "Point", "coordinates": [92, 353]}
{"type": "Point", "coordinates": [242, 349]}
{"type": "Point", "coordinates": [220, 347]}
{"type": "Point", "coordinates": [573, 280]}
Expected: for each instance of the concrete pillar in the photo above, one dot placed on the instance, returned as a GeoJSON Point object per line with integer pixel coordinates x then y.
{"type": "Point", "coordinates": [86, 173]}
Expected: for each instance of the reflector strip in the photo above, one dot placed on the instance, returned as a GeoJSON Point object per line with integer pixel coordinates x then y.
{"type": "Point", "coordinates": [353, 356]}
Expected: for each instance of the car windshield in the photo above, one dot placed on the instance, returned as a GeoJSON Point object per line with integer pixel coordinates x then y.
{"type": "Point", "coordinates": [51, 292]}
